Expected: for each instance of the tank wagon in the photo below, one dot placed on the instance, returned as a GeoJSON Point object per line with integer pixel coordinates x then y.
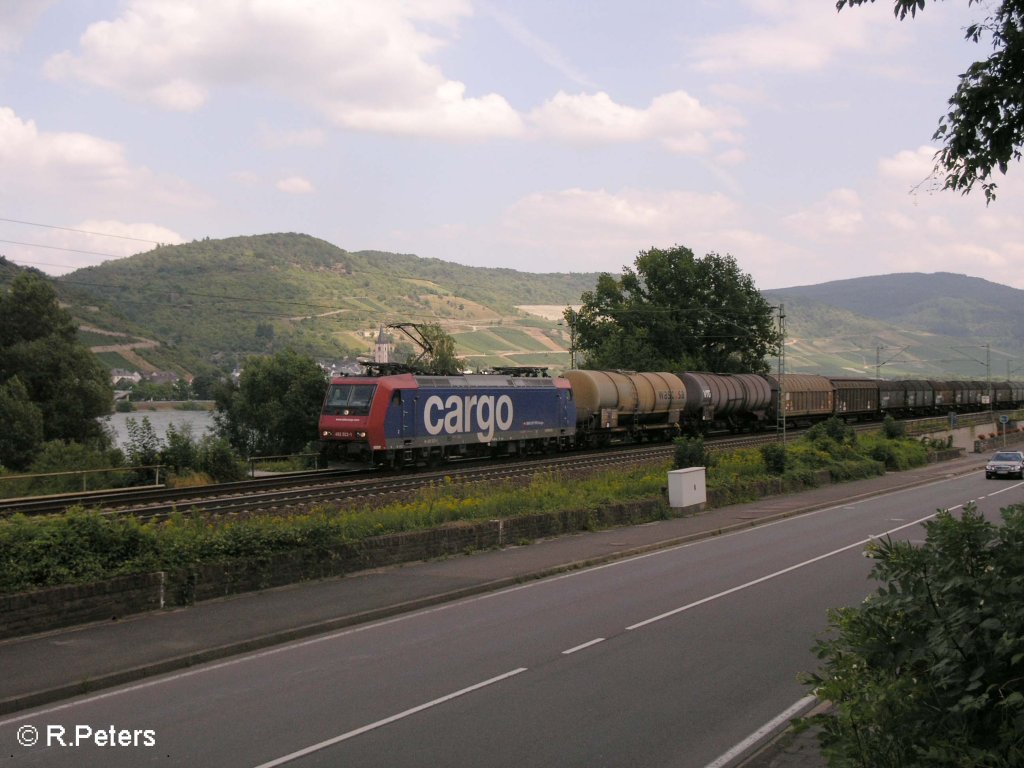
{"type": "Point", "coordinates": [726, 401]}
{"type": "Point", "coordinates": [614, 406]}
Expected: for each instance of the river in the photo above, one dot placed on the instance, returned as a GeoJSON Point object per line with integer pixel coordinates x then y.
{"type": "Point", "coordinates": [201, 421]}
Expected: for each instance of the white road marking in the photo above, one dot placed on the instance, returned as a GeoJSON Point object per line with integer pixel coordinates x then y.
{"type": "Point", "coordinates": [776, 574]}
{"type": "Point", "coordinates": [387, 720]}
{"type": "Point", "coordinates": [765, 730]}
{"type": "Point", "coordinates": [581, 646]}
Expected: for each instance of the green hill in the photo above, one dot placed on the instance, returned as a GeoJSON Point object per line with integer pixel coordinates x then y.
{"type": "Point", "coordinates": [214, 302]}
{"type": "Point", "coordinates": [217, 301]}
{"type": "Point", "coordinates": [908, 325]}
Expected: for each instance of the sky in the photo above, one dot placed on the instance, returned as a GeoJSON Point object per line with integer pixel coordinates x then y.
{"type": "Point", "coordinates": [538, 135]}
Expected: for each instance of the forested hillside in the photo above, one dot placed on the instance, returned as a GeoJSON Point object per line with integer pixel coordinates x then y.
{"type": "Point", "coordinates": [922, 324]}
{"type": "Point", "coordinates": [217, 301]}
{"type": "Point", "coordinates": [211, 303]}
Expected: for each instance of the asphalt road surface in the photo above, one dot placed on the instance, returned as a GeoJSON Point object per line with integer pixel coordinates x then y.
{"type": "Point", "coordinates": [668, 659]}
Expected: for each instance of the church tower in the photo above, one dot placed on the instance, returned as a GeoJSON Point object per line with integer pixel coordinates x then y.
{"type": "Point", "coordinates": [382, 349]}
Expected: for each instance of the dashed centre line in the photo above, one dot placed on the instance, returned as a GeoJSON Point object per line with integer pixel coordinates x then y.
{"type": "Point", "coordinates": [581, 646]}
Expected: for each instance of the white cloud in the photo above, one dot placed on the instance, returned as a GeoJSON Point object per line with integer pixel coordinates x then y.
{"type": "Point", "coordinates": [676, 119]}
{"type": "Point", "coordinates": [840, 213]}
{"type": "Point", "coordinates": [909, 167]}
{"type": "Point", "coordinates": [295, 185]}
{"type": "Point", "coordinates": [364, 65]}
{"type": "Point", "coordinates": [794, 36]}
{"type": "Point", "coordinates": [22, 145]}
{"type": "Point", "coordinates": [448, 114]}
{"type": "Point", "coordinates": [605, 230]}
{"type": "Point", "coordinates": [87, 178]}
{"type": "Point", "coordinates": [892, 223]}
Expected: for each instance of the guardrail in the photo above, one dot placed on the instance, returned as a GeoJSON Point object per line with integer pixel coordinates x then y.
{"type": "Point", "coordinates": [85, 474]}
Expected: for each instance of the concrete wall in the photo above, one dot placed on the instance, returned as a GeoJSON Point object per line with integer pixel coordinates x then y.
{"type": "Point", "coordinates": [977, 438]}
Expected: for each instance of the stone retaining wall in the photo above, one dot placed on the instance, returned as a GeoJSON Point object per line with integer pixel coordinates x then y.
{"type": "Point", "coordinates": [39, 610]}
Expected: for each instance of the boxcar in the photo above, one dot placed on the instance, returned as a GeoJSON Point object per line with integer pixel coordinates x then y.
{"type": "Point", "coordinates": [408, 420]}
{"type": "Point", "coordinates": [907, 396]}
{"type": "Point", "coordinates": [968, 395]}
{"type": "Point", "coordinates": [944, 395]}
{"type": "Point", "coordinates": [1002, 394]}
{"type": "Point", "coordinates": [892, 396]}
{"type": "Point", "coordinates": [920, 396]}
{"type": "Point", "coordinates": [804, 397]}
{"type": "Point", "coordinates": [855, 398]}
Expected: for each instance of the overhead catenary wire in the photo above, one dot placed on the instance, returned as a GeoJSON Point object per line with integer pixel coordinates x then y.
{"type": "Point", "coordinates": [83, 231]}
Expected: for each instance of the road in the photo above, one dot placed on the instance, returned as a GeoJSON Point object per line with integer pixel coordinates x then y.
{"type": "Point", "coordinates": [669, 659]}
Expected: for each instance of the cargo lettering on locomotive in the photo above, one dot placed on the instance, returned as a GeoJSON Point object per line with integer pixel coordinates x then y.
{"type": "Point", "coordinates": [456, 415]}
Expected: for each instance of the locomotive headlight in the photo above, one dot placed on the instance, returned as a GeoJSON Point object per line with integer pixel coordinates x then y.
{"type": "Point", "coordinates": [325, 433]}
{"type": "Point", "coordinates": [361, 435]}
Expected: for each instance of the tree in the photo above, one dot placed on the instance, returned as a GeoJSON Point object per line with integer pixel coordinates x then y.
{"type": "Point", "coordinates": [62, 378]}
{"type": "Point", "coordinates": [928, 670]}
{"type": "Point", "coordinates": [676, 312]}
{"type": "Point", "coordinates": [275, 407]}
{"type": "Point", "coordinates": [442, 359]}
{"type": "Point", "coordinates": [21, 425]}
{"type": "Point", "coordinates": [984, 127]}
{"type": "Point", "coordinates": [436, 354]}
{"type": "Point", "coordinates": [30, 311]}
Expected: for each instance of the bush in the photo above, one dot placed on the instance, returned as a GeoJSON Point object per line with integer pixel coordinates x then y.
{"type": "Point", "coordinates": [928, 670]}
{"type": "Point", "coordinates": [218, 459]}
{"type": "Point", "coordinates": [690, 452]}
{"type": "Point", "coordinates": [834, 429]}
{"type": "Point", "coordinates": [774, 455]}
{"type": "Point", "coordinates": [893, 429]}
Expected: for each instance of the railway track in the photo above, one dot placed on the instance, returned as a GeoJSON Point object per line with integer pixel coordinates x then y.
{"type": "Point", "coordinates": [301, 490]}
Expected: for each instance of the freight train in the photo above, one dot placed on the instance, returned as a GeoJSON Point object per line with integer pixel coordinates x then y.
{"type": "Point", "coordinates": [403, 419]}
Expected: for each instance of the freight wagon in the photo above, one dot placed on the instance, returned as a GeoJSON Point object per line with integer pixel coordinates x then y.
{"type": "Point", "coordinates": [414, 420]}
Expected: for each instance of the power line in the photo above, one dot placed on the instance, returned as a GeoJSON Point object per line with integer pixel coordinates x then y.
{"type": "Point", "coordinates": [72, 229]}
{"type": "Point", "coordinates": [59, 248]}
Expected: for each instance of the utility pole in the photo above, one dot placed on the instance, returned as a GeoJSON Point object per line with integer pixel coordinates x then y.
{"type": "Point", "coordinates": [570, 316]}
{"type": "Point", "coordinates": [780, 415]}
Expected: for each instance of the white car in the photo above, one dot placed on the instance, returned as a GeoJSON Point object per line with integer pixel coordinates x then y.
{"type": "Point", "coordinates": [1005, 464]}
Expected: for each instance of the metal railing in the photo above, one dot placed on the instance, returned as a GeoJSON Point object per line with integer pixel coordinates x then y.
{"type": "Point", "coordinates": [29, 480]}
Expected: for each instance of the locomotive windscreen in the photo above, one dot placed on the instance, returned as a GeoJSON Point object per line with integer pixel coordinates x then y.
{"type": "Point", "coordinates": [349, 399]}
